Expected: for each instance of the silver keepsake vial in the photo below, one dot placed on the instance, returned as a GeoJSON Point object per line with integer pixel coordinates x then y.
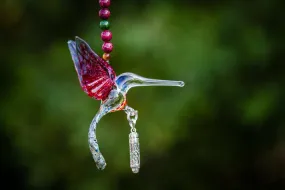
{"type": "Point", "coordinates": [134, 152]}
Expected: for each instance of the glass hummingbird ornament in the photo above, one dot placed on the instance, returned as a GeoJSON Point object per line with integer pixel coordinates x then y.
{"type": "Point", "coordinates": [98, 79]}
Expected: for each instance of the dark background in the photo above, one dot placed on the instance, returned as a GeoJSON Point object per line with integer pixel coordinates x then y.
{"type": "Point", "coordinates": [223, 130]}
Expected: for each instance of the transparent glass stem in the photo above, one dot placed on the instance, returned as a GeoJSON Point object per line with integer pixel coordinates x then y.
{"type": "Point", "coordinates": [92, 140]}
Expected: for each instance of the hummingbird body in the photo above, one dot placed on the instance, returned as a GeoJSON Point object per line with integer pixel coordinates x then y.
{"type": "Point", "coordinates": [116, 101]}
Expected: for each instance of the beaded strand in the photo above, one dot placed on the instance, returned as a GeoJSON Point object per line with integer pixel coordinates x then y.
{"type": "Point", "coordinates": [106, 34]}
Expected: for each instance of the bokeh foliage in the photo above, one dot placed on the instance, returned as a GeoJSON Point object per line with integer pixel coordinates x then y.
{"type": "Point", "coordinates": [223, 130]}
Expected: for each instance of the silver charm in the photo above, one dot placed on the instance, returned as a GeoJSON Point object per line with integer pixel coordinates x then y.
{"type": "Point", "coordinates": [132, 117]}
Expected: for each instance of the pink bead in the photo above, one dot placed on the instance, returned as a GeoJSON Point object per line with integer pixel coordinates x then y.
{"type": "Point", "coordinates": [106, 35]}
{"type": "Point", "coordinates": [105, 3]}
{"type": "Point", "coordinates": [104, 13]}
{"type": "Point", "coordinates": [107, 47]}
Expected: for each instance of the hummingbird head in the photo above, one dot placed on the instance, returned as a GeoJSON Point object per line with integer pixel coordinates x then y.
{"type": "Point", "coordinates": [126, 81]}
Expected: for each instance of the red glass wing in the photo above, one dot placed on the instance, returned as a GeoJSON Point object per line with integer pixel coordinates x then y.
{"type": "Point", "coordinates": [95, 75]}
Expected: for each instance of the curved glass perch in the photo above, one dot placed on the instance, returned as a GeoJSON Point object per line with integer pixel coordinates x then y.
{"type": "Point", "coordinates": [93, 143]}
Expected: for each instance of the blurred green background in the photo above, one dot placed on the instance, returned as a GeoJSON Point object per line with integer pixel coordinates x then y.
{"type": "Point", "coordinates": [223, 130]}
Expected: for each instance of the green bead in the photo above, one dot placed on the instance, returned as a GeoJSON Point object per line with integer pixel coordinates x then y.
{"type": "Point", "coordinates": [104, 25]}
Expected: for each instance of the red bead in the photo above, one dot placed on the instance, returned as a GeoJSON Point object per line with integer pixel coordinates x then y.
{"type": "Point", "coordinates": [107, 47]}
{"type": "Point", "coordinates": [106, 35]}
{"type": "Point", "coordinates": [104, 13]}
{"type": "Point", "coordinates": [105, 3]}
